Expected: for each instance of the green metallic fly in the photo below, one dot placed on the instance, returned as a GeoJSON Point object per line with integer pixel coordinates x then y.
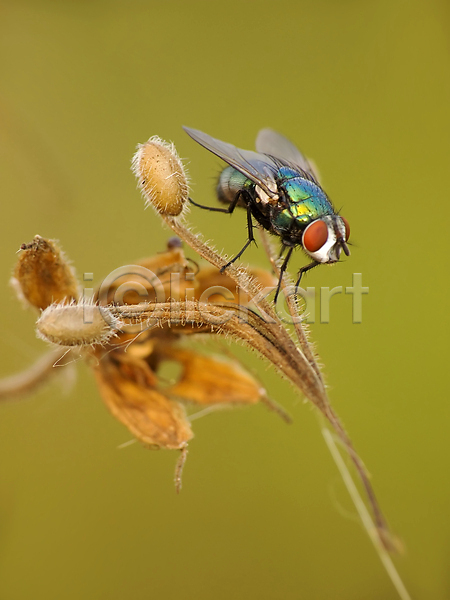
{"type": "Point", "coordinates": [279, 189]}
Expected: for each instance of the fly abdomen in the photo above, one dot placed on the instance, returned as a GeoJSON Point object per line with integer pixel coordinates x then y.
{"type": "Point", "coordinates": [231, 183]}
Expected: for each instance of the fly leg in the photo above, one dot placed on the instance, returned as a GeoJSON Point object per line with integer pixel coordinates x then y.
{"type": "Point", "coordinates": [228, 210]}
{"type": "Point", "coordinates": [304, 270]}
{"type": "Point", "coordinates": [240, 195]}
{"type": "Point", "coordinates": [251, 237]}
{"type": "Point", "coordinates": [282, 270]}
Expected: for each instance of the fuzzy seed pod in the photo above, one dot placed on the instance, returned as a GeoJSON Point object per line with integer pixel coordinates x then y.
{"type": "Point", "coordinates": [161, 176]}
{"type": "Point", "coordinates": [81, 324]}
{"type": "Point", "coordinates": [43, 275]}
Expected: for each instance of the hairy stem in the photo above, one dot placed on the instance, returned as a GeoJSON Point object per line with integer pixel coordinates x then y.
{"type": "Point", "coordinates": [27, 381]}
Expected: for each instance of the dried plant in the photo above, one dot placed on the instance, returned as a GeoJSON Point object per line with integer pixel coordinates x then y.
{"type": "Point", "coordinates": [126, 339]}
{"type": "Point", "coordinates": [295, 361]}
{"type": "Point", "coordinates": [127, 344]}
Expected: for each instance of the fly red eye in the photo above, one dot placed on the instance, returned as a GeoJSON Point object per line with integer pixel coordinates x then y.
{"type": "Point", "coordinates": [315, 236]}
{"type": "Point", "coordinates": [347, 228]}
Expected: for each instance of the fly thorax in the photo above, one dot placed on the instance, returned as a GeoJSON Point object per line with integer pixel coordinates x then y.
{"type": "Point", "coordinates": [263, 197]}
{"type": "Point", "coordinates": [324, 239]}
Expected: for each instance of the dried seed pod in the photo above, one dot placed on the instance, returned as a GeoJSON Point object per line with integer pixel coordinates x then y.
{"type": "Point", "coordinates": [81, 324]}
{"type": "Point", "coordinates": [43, 275]}
{"type": "Point", "coordinates": [161, 176]}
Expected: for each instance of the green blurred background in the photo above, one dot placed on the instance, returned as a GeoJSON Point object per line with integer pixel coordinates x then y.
{"type": "Point", "coordinates": [363, 88]}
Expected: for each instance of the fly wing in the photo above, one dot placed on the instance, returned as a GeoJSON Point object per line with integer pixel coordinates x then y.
{"type": "Point", "coordinates": [259, 168]}
{"type": "Point", "coordinates": [271, 142]}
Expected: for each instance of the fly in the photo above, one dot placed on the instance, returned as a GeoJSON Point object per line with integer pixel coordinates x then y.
{"type": "Point", "coordinates": [280, 189]}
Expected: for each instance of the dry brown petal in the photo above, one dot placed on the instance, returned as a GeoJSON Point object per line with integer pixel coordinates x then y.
{"type": "Point", "coordinates": [212, 380]}
{"type": "Point", "coordinates": [166, 261]}
{"type": "Point", "coordinates": [43, 276]}
{"type": "Point", "coordinates": [214, 286]}
{"type": "Point", "coordinates": [161, 277]}
{"type": "Point", "coordinates": [128, 390]}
